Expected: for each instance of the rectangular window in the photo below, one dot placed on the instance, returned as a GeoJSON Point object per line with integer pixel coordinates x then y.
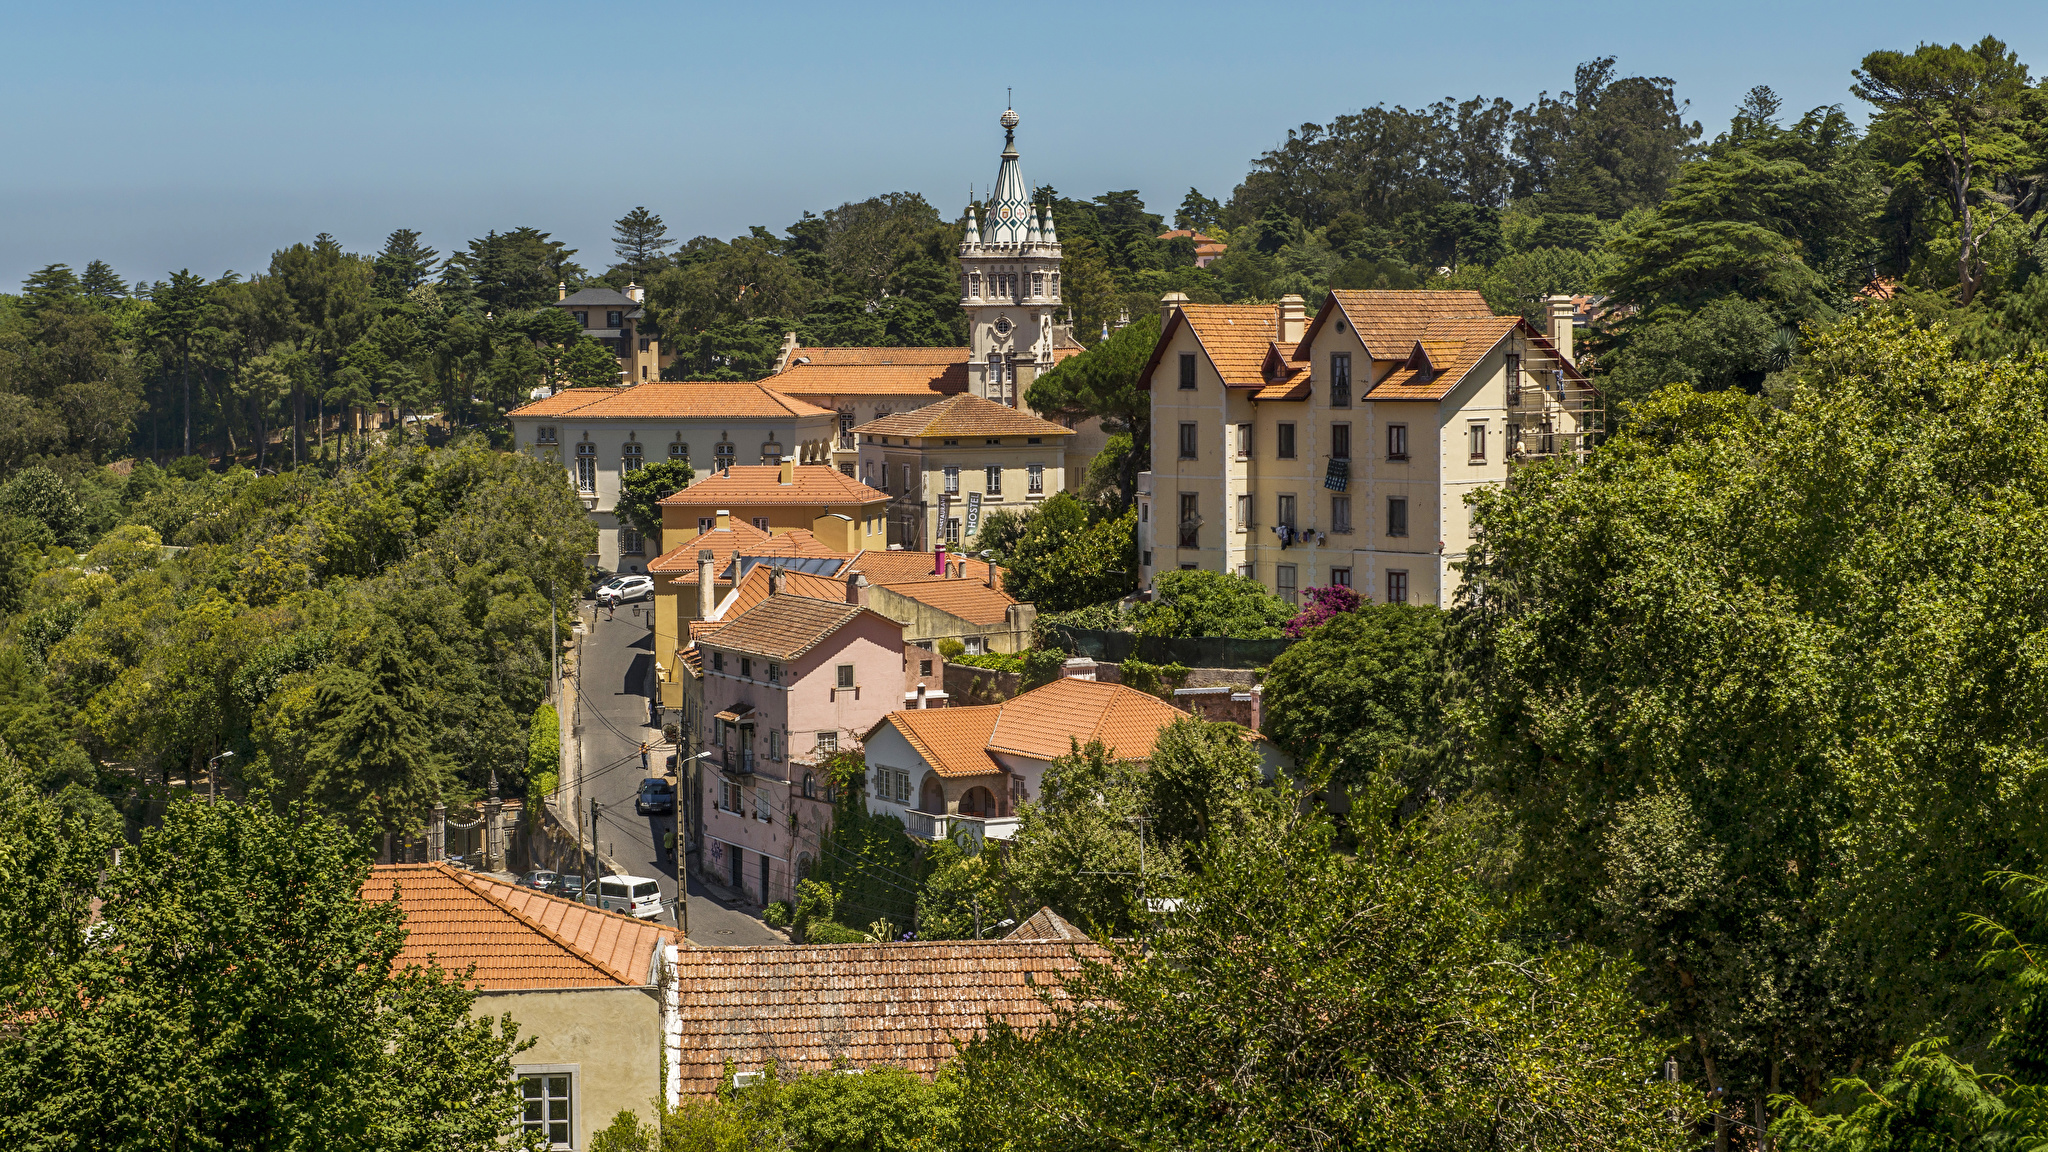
{"type": "Point", "coordinates": [1244, 513]}
{"type": "Point", "coordinates": [1397, 441]}
{"type": "Point", "coordinates": [1340, 441]}
{"type": "Point", "coordinates": [679, 452]}
{"type": "Point", "coordinates": [1190, 520]}
{"type": "Point", "coordinates": [924, 667]}
{"type": "Point", "coordinates": [1514, 377]}
{"type": "Point", "coordinates": [908, 488]}
{"type": "Point", "coordinates": [1397, 515]}
{"type": "Point", "coordinates": [774, 741]}
{"type": "Point", "coordinates": [548, 1101]}
{"type": "Point", "coordinates": [1340, 577]}
{"type": "Point", "coordinates": [718, 661]}
{"type": "Point", "coordinates": [1187, 371]}
{"type": "Point", "coordinates": [1286, 517]}
{"type": "Point", "coordinates": [953, 480]}
{"type": "Point", "coordinates": [1397, 587]}
{"type": "Point", "coordinates": [1284, 448]}
{"type": "Point", "coordinates": [774, 673]}
{"type": "Point", "coordinates": [993, 484]}
{"type": "Point", "coordinates": [586, 467]}
{"type": "Point", "coordinates": [707, 524]}
{"type": "Point", "coordinates": [547, 435]}
{"type": "Point", "coordinates": [1245, 570]}
{"type": "Point", "coordinates": [845, 675]}
{"type": "Point", "coordinates": [614, 319]}
{"type": "Point", "coordinates": [952, 529]}
{"type": "Point", "coordinates": [761, 523]}
{"type": "Point", "coordinates": [629, 458]}
{"type": "Point", "coordinates": [828, 741]}
{"type": "Point", "coordinates": [630, 544]}
{"type": "Point", "coordinates": [1244, 441]}
{"type": "Point", "coordinates": [1478, 438]}
{"type": "Point", "coordinates": [846, 469]}
{"type": "Point", "coordinates": [724, 454]}
{"type": "Point", "coordinates": [1146, 561]}
{"type": "Point", "coordinates": [1340, 379]}
{"type": "Point", "coordinates": [1034, 479]}
{"type": "Point", "coordinates": [1188, 441]}
{"type": "Point", "coordinates": [1283, 583]}
{"type": "Point", "coordinates": [1340, 514]}
{"type": "Point", "coordinates": [761, 803]}
{"type": "Point", "coordinates": [747, 667]}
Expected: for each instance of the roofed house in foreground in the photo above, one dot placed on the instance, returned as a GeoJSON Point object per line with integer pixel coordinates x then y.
{"type": "Point", "coordinates": [587, 985]}
{"type": "Point", "coordinates": [1305, 453]}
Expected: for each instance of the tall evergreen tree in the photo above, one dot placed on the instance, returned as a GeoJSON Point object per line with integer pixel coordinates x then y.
{"type": "Point", "coordinates": [641, 241]}
{"type": "Point", "coordinates": [403, 265]}
{"type": "Point", "coordinates": [1197, 212]}
{"type": "Point", "coordinates": [100, 285]}
{"type": "Point", "coordinates": [48, 286]}
{"type": "Point", "coordinates": [180, 313]}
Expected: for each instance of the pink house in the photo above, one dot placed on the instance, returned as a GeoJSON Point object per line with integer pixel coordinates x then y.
{"type": "Point", "coordinates": [786, 683]}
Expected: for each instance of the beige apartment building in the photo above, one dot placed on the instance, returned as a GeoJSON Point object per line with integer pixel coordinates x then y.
{"type": "Point", "coordinates": [615, 319]}
{"type": "Point", "coordinates": [947, 465]}
{"type": "Point", "coordinates": [1340, 450]}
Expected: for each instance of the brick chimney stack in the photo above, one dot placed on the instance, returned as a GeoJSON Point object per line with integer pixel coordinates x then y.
{"type": "Point", "coordinates": [1291, 319]}
{"type": "Point", "coordinates": [705, 575]}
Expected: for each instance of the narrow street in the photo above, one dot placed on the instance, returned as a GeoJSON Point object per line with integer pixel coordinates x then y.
{"type": "Point", "coordinates": [615, 676]}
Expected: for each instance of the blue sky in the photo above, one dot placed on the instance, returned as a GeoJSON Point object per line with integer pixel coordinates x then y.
{"type": "Point", "coordinates": [206, 135]}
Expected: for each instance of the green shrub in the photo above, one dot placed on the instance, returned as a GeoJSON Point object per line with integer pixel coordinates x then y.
{"type": "Point", "coordinates": [1041, 667]}
{"type": "Point", "coordinates": [1157, 679]}
{"type": "Point", "coordinates": [777, 914]}
{"type": "Point", "coordinates": [992, 660]}
{"type": "Point", "coordinates": [951, 649]}
{"type": "Point", "coordinates": [833, 932]}
{"type": "Point", "coordinates": [544, 743]}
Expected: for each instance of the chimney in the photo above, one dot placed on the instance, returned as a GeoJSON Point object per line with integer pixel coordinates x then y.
{"type": "Point", "coordinates": [437, 834]}
{"type": "Point", "coordinates": [1168, 303]}
{"type": "Point", "coordinates": [939, 560]}
{"type": "Point", "coordinates": [788, 473]}
{"type": "Point", "coordinates": [636, 293]}
{"type": "Point", "coordinates": [856, 584]}
{"type": "Point", "coordinates": [776, 578]}
{"type": "Point", "coordinates": [920, 694]}
{"type": "Point", "coordinates": [724, 519]}
{"type": "Point", "coordinates": [1291, 319]}
{"type": "Point", "coordinates": [706, 558]}
{"type": "Point", "coordinates": [1560, 327]}
{"type": "Point", "coordinates": [561, 291]}
{"type": "Point", "coordinates": [789, 347]}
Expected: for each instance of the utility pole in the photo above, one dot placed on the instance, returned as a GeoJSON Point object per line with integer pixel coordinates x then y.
{"type": "Point", "coordinates": [595, 864]}
{"type": "Point", "coordinates": [213, 776]}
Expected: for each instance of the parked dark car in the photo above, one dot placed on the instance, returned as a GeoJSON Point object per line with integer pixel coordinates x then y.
{"type": "Point", "coordinates": [540, 881]}
{"type": "Point", "coordinates": [657, 797]}
{"type": "Point", "coordinates": [567, 887]}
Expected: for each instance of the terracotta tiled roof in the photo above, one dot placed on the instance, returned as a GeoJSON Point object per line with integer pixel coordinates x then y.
{"type": "Point", "coordinates": [785, 627]}
{"type": "Point", "coordinates": [884, 567]}
{"type": "Point", "coordinates": [962, 416]}
{"type": "Point", "coordinates": [1045, 722]}
{"type": "Point", "coordinates": [884, 372]}
{"type": "Point", "coordinates": [1046, 924]}
{"type": "Point", "coordinates": [516, 937]}
{"type": "Point", "coordinates": [685, 400]}
{"type": "Point", "coordinates": [900, 1004]}
{"type": "Point", "coordinates": [952, 741]}
{"type": "Point", "coordinates": [1389, 321]}
{"type": "Point", "coordinates": [1440, 357]}
{"type": "Point", "coordinates": [745, 484]}
{"type": "Point", "coordinates": [1235, 337]}
{"type": "Point", "coordinates": [742, 539]}
{"type": "Point", "coordinates": [567, 400]}
{"type": "Point", "coordinates": [970, 600]}
{"type": "Point", "coordinates": [753, 588]}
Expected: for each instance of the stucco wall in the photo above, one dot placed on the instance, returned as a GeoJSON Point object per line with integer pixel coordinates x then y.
{"type": "Point", "coordinates": [611, 1037]}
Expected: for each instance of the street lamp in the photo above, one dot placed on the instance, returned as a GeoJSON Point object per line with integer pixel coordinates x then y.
{"type": "Point", "coordinates": [683, 880]}
{"type": "Point", "coordinates": [213, 776]}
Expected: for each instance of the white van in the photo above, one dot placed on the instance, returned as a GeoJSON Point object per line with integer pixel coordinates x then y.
{"type": "Point", "coordinates": [634, 895]}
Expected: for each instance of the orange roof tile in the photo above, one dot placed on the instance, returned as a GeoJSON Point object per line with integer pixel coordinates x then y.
{"type": "Point", "coordinates": [868, 1004]}
{"type": "Point", "coordinates": [963, 416]}
{"type": "Point", "coordinates": [683, 400]}
{"type": "Point", "coordinates": [753, 588]}
{"type": "Point", "coordinates": [785, 627]}
{"type": "Point", "coordinates": [515, 937]}
{"type": "Point", "coordinates": [1389, 320]}
{"type": "Point", "coordinates": [881, 566]}
{"type": "Point", "coordinates": [875, 372]}
{"type": "Point", "coordinates": [1045, 722]}
{"type": "Point", "coordinates": [567, 400]}
{"type": "Point", "coordinates": [1439, 358]}
{"type": "Point", "coordinates": [970, 600]}
{"type": "Point", "coordinates": [871, 357]}
{"type": "Point", "coordinates": [1235, 337]}
{"type": "Point", "coordinates": [1046, 924]}
{"type": "Point", "coordinates": [740, 539]}
{"type": "Point", "coordinates": [745, 484]}
{"type": "Point", "coordinates": [953, 741]}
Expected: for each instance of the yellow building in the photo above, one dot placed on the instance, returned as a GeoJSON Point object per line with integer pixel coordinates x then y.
{"type": "Point", "coordinates": [1340, 451]}
{"type": "Point", "coordinates": [947, 465]}
{"type": "Point", "coordinates": [841, 512]}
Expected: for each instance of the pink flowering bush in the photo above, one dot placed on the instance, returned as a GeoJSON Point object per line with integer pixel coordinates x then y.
{"type": "Point", "coordinates": [1323, 604]}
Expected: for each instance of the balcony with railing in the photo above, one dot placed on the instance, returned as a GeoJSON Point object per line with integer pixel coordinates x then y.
{"type": "Point", "coordinates": [737, 763]}
{"type": "Point", "coordinates": [949, 826]}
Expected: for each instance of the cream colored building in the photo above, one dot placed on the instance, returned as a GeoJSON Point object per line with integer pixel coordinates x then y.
{"type": "Point", "coordinates": [948, 465]}
{"type": "Point", "coordinates": [1340, 450]}
{"type": "Point", "coordinates": [600, 434]}
{"type": "Point", "coordinates": [614, 319]}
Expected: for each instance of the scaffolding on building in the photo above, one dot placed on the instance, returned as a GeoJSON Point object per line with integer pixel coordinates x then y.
{"type": "Point", "coordinates": [1552, 413]}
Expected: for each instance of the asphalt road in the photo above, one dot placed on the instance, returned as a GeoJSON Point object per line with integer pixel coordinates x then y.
{"type": "Point", "coordinates": [615, 676]}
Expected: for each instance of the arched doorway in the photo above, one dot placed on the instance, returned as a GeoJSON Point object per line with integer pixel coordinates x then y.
{"type": "Point", "coordinates": [932, 796]}
{"type": "Point", "coordinates": [978, 802]}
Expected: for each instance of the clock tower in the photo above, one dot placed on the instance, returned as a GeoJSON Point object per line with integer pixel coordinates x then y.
{"type": "Point", "coordinates": [1010, 283]}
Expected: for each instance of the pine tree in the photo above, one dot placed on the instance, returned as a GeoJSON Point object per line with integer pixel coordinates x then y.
{"type": "Point", "coordinates": [54, 284]}
{"type": "Point", "coordinates": [641, 241]}
{"type": "Point", "coordinates": [1197, 212]}
{"type": "Point", "coordinates": [403, 265]}
{"type": "Point", "coordinates": [100, 285]}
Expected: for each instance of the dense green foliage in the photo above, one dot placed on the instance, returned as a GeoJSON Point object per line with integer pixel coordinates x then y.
{"type": "Point", "coordinates": [1103, 383]}
{"type": "Point", "coordinates": [1361, 691]}
{"type": "Point", "coordinates": [1198, 603]}
{"type": "Point", "coordinates": [643, 489]}
{"type": "Point", "coordinates": [371, 638]}
{"type": "Point", "coordinates": [1071, 554]}
{"type": "Point", "coordinates": [233, 991]}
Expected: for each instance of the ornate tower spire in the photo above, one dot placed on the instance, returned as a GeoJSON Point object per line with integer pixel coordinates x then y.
{"type": "Point", "coordinates": [973, 234]}
{"type": "Point", "coordinates": [1009, 205]}
{"type": "Point", "coordinates": [1045, 232]}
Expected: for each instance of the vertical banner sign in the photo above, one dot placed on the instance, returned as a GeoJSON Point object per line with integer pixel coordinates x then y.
{"type": "Point", "coordinates": [945, 510]}
{"type": "Point", "coordinates": [973, 513]}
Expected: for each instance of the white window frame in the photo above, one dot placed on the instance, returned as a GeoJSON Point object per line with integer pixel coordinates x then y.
{"type": "Point", "coordinates": [952, 479]}
{"type": "Point", "coordinates": [1034, 479]}
{"type": "Point", "coordinates": [525, 1072]}
{"type": "Point", "coordinates": [992, 480]}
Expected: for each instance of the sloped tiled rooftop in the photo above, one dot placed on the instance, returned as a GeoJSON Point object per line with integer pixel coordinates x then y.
{"type": "Point", "coordinates": [516, 938]}
{"type": "Point", "coordinates": [901, 1004]}
{"type": "Point", "coordinates": [953, 741]}
{"type": "Point", "coordinates": [745, 484]}
{"type": "Point", "coordinates": [1042, 722]}
{"type": "Point", "coordinates": [970, 600]}
{"type": "Point", "coordinates": [962, 416]}
{"type": "Point", "coordinates": [676, 400]}
{"type": "Point", "coordinates": [680, 563]}
{"type": "Point", "coordinates": [784, 627]}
